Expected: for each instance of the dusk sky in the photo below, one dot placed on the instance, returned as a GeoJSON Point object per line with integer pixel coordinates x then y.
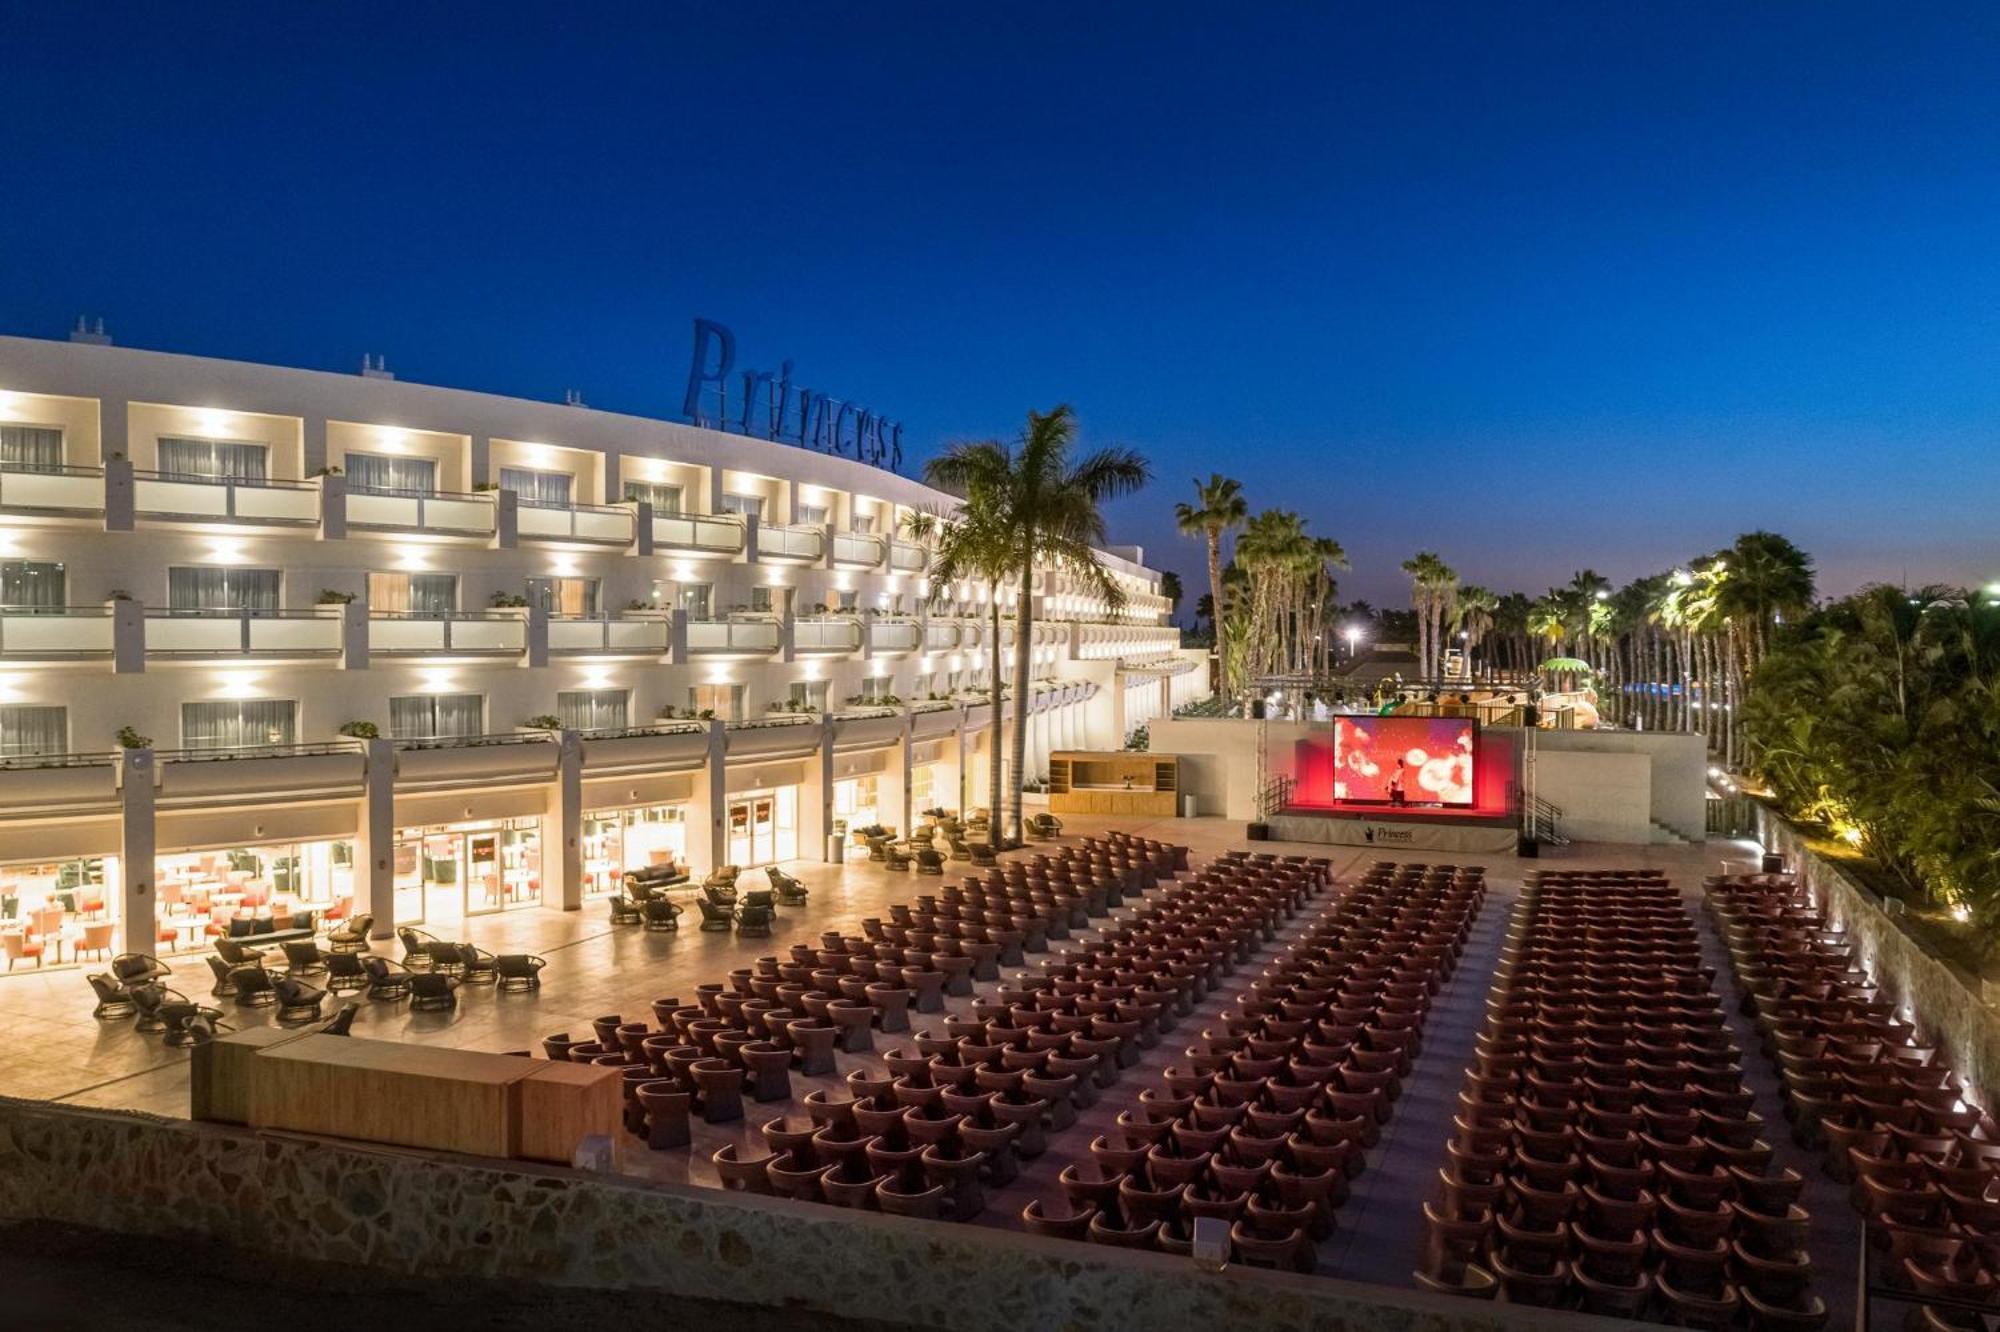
{"type": "Point", "coordinates": [1534, 287]}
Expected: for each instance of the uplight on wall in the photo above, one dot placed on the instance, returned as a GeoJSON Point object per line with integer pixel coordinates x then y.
{"type": "Point", "coordinates": [8, 406]}
{"type": "Point", "coordinates": [226, 552]}
{"type": "Point", "coordinates": [236, 684]}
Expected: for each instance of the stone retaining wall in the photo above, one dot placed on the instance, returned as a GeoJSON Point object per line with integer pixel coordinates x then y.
{"type": "Point", "coordinates": [1944, 1000]}
{"type": "Point", "coordinates": [414, 1213]}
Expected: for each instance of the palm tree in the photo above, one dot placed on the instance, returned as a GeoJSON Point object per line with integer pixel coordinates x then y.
{"type": "Point", "coordinates": [1049, 506]}
{"type": "Point", "coordinates": [1219, 509]}
{"type": "Point", "coordinates": [1428, 576]}
{"type": "Point", "coordinates": [1473, 614]}
{"type": "Point", "coordinates": [974, 544]}
{"type": "Point", "coordinates": [1171, 589]}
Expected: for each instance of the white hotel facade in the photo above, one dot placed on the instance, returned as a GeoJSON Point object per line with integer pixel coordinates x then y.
{"type": "Point", "coordinates": [584, 641]}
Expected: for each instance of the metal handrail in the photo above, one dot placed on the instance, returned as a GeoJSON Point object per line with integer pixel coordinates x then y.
{"type": "Point", "coordinates": [476, 741]}
{"type": "Point", "coordinates": [200, 479]}
{"type": "Point", "coordinates": [85, 759]}
{"type": "Point", "coordinates": [575, 508]}
{"type": "Point", "coordinates": [662, 727]}
{"type": "Point", "coordinates": [419, 492]}
{"type": "Point", "coordinates": [303, 749]}
{"type": "Point", "coordinates": [59, 469]}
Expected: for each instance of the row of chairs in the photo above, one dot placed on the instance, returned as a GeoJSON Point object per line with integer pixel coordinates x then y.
{"type": "Point", "coordinates": [1866, 1090]}
{"type": "Point", "coordinates": [1267, 1120]}
{"type": "Point", "coordinates": [1606, 1154]}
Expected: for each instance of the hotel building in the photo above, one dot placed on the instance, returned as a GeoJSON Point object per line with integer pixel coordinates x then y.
{"type": "Point", "coordinates": [277, 642]}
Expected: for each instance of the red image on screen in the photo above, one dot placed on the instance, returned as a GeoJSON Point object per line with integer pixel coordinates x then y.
{"type": "Point", "coordinates": [1428, 758]}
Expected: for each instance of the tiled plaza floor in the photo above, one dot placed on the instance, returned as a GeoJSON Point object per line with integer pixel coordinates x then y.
{"type": "Point", "coordinates": [59, 1052]}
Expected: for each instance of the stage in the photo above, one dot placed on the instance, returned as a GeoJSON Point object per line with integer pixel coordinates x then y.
{"type": "Point", "coordinates": [1420, 828]}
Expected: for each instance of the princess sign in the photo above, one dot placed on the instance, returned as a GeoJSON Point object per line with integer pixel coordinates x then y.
{"type": "Point", "coordinates": [770, 406]}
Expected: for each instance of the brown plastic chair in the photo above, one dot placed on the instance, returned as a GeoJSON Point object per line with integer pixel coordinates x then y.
{"type": "Point", "coordinates": [719, 1087]}
{"type": "Point", "coordinates": [744, 1175]}
{"type": "Point", "coordinates": [1075, 1225]}
{"type": "Point", "coordinates": [769, 1067]}
{"type": "Point", "coordinates": [894, 1199]}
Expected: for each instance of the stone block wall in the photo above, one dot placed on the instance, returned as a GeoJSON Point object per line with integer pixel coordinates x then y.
{"type": "Point", "coordinates": [1944, 1001]}
{"type": "Point", "coordinates": [418, 1213]}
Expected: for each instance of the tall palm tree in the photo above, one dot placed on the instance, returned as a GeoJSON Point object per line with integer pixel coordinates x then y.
{"type": "Point", "coordinates": [1473, 614]}
{"type": "Point", "coordinates": [1219, 509]}
{"type": "Point", "coordinates": [1432, 585]}
{"type": "Point", "coordinates": [1050, 507]}
{"type": "Point", "coordinates": [1171, 589]}
{"type": "Point", "coordinates": [974, 544]}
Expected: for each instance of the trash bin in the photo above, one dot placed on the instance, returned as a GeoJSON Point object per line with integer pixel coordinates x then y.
{"type": "Point", "coordinates": [836, 843]}
{"type": "Point", "coordinates": [1187, 804]}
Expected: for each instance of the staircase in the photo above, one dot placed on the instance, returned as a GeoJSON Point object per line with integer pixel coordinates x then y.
{"type": "Point", "coordinates": [1666, 836]}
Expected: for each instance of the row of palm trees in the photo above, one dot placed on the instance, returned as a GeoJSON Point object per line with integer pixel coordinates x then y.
{"type": "Point", "coordinates": [1025, 505]}
{"type": "Point", "coordinates": [1272, 605]}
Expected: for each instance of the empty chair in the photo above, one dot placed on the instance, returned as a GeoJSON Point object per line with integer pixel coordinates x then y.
{"type": "Point", "coordinates": [297, 1001]}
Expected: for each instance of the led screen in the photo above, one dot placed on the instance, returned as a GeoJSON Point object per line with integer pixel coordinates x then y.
{"type": "Point", "coordinates": [1432, 756]}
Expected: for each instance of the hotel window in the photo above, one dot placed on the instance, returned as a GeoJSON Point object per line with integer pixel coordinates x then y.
{"type": "Point", "coordinates": [213, 459]}
{"type": "Point", "coordinates": [436, 716]}
{"type": "Point", "coordinates": [33, 585]}
{"type": "Point", "coordinates": [664, 498]}
{"type": "Point", "coordinates": [864, 523]}
{"type": "Point", "coordinates": [564, 596]}
{"type": "Point", "coordinates": [413, 593]}
{"type": "Point", "coordinates": [191, 590]}
{"type": "Point", "coordinates": [876, 688]}
{"type": "Point", "coordinates": [534, 487]}
{"type": "Point", "coordinates": [809, 694]}
{"type": "Point", "coordinates": [923, 685]}
{"type": "Point", "coordinates": [814, 514]}
{"type": "Point", "coordinates": [697, 599]}
{"type": "Point", "coordinates": [30, 448]}
{"type": "Point", "coordinates": [33, 731]}
{"type": "Point", "coordinates": [594, 709]}
{"type": "Point", "coordinates": [748, 505]}
{"type": "Point", "coordinates": [239, 724]}
{"type": "Point", "coordinates": [381, 474]}
{"type": "Point", "coordinates": [760, 599]}
{"type": "Point", "coordinates": [725, 700]}
{"type": "Point", "coordinates": [846, 601]}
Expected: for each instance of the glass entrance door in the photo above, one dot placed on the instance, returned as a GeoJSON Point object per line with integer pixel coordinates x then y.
{"type": "Point", "coordinates": [763, 827]}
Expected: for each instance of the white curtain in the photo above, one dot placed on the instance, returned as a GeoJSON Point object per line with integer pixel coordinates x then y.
{"type": "Point", "coordinates": [237, 724]}
{"type": "Point", "coordinates": [592, 709]}
{"type": "Point", "coordinates": [433, 716]}
{"type": "Point", "coordinates": [33, 585]}
{"type": "Point", "coordinates": [537, 487]}
{"type": "Point", "coordinates": [30, 448]}
{"type": "Point", "coordinates": [205, 588]}
{"type": "Point", "coordinates": [381, 474]}
{"type": "Point", "coordinates": [665, 499]}
{"type": "Point", "coordinates": [33, 730]}
{"type": "Point", "coordinates": [213, 459]}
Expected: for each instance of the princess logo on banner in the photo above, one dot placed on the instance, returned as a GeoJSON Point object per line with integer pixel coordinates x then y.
{"type": "Point", "coordinates": [770, 406]}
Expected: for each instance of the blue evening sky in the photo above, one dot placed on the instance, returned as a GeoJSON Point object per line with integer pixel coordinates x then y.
{"type": "Point", "coordinates": [1537, 287]}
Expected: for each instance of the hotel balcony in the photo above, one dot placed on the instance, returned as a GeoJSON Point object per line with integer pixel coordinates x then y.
{"type": "Point", "coordinates": [465, 634]}
{"type": "Point", "coordinates": [906, 557]}
{"type": "Point", "coordinates": [941, 636]}
{"type": "Point", "coordinates": [514, 756]}
{"type": "Point", "coordinates": [65, 634]}
{"type": "Point", "coordinates": [322, 768]}
{"type": "Point", "coordinates": [700, 534]}
{"type": "Point", "coordinates": [734, 637]}
{"type": "Point", "coordinates": [595, 524]}
{"type": "Point", "coordinates": [230, 633]}
{"type": "Point", "coordinates": [826, 634]}
{"type": "Point", "coordinates": [893, 636]}
{"type": "Point", "coordinates": [179, 498]}
{"type": "Point", "coordinates": [439, 513]}
{"type": "Point", "coordinates": [802, 543]}
{"type": "Point", "coordinates": [634, 636]}
{"type": "Point", "coordinates": [857, 550]}
{"type": "Point", "coordinates": [64, 491]}
{"type": "Point", "coordinates": [667, 746]}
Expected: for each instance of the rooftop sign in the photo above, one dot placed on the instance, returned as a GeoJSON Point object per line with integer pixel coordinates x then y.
{"type": "Point", "coordinates": [769, 406]}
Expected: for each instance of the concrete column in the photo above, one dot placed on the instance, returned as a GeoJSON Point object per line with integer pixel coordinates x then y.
{"type": "Point", "coordinates": [715, 490]}
{"type": "Point", "coordinates": [354, 636]}
{"type": "Point", "coordinates": [816, 796]}
{"type": "Point", "coordinates": [121, 495]}
{"type": "Point", "coordinates": [894, 784]}
{"type": "Point", "coordinates": [137, 851]}
{"type": "Point", "coordinates": [750, 538]}
{"type": "Point", "coordinates": [708, 839]}
{"type": "Point", "coordinates": [128, 637]}
{"type": "Point", "coordinates": [478, 463]}
{"type": "Point", "coordinates": [114, 433]}
{"type": "Point", "coordinates": [1118, 683]}
{"type": "Point", "coordinates": [506, 520]}
{"type": "Point", "coordinates": [642, 528]}
{"type": "Point", "coordinates": [562, 821]}
{"type": "Point", "coordinates": [375, 838]}
{"type": "Point", "coordinates": [677, 636]}
{"type": "Point", "coordinates": [332, 508]}
{"type": "Point", "coordinates": [312, 442]}
{"type": "Point", "coordinates": [788, 616]}
{"type": "Point", "coordinates": [538, 638]}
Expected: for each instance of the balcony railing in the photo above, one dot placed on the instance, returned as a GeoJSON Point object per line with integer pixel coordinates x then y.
{"type": "Point", "coordinates": [52, 635]}
{"type": "Point", "coordinates": [465, 633]}
{"type": "Point", "coordinates": [827, 633]}
{"type": "Point", "coordinates": [52, 490]}
{"type": "Point", "coordinates": [609, 525]}
{"type": "Point", "coordinates": [697, 532]}
{"type": "Point", "coordinates": [905, 557]}
{"type": "Point", "coordinates": [179, 496]}
{"type": "Point", "coordinates": [779, 542]}
{"type": "Point", "coordinates": [758, 636]}
{"type": "Point", "coordinates": [894, 635]}
{"type": "Point", "coordinates": [940, 637]}
{"type": "Point", "coordinates": [240, 633]}
{"type": "Point", "coordinates": [857, 548]}
{"type": "Point", "coordinates": [445, 512]}
{"type": "Point", "coordinates": [604, 634]}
